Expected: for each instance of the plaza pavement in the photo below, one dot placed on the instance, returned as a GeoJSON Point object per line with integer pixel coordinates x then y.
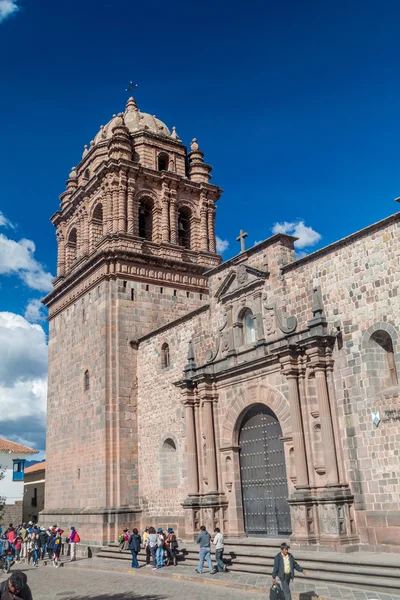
{"type": "Point", "coordinates": [100, 579]}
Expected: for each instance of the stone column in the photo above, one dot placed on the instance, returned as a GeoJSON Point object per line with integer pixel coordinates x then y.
{"type": "Point", "coordinates": [203, 224]}
{"type": "Point", "coordinates": [328, 438]}
{"type": "Point", "coordinates": [300, 458]}
{"type": "Point", "coordinates": [211, 228]}
{"type": "Point", "coordinates": [129, 208]}
{"type": "Point", "coordinates": [60, 254]}
{"type": "Point", "coordinates": [210, 445]}
{"type": "Point", "coordinates": [85, 232]}
{"type": "Point", "coordinates": [172, 220]}
{"type": "Point", "coordinates": [193, 474]}
{"type": "Point", "coordinates": [108, 207]}
{"type": "Point", "coordinates": [165, 219]}
{"type": "Point", "coordinates": [122, 203]}
{"type": "Point", "coordinates": [115, 212]}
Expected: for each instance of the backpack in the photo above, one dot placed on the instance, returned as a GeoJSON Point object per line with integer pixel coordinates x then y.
{"type": "Point", "coordinates": [6, 545]}
{"type": "Point", "coordinates": [276, 593]}
{"type": "Point", "coordinates": [77, 538]}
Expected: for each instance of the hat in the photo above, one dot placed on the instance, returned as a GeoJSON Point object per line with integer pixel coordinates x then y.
{"type": "Point", "coordinates": [159, 529]}
{"type": "Point", "coordinates": [43, 529]}
{"type": "Point", "coordinates": [284, 545]}
{"type": "Point", "coordinates": [30, 523]}
{"type": "Point", "coordinates": [170, 530]}
{"type": "Point", "coordinates": [72, 528]}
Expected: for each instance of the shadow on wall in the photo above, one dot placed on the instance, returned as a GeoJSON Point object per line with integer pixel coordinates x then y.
{"type": "Point", "coordinates": [308, 596]}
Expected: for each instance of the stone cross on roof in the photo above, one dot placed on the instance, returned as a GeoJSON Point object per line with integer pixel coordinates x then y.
{"type": "Point", "coordinates": [131, 87]}
{"type": "Point", "coordinates": [241, 238]}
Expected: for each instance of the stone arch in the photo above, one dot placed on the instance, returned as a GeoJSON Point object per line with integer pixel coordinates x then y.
{"type": "Point", "coordinates": [169, 463]}
{"type": "Point", "coordinates": [368, 333]}
{"type": "Point", "coordinates": [381, 363]}
{"type": "Point", "coordinates": [255, 394]}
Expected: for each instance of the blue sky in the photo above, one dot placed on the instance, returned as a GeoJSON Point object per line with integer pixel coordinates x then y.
{"type": "Point", "coordinates": [295, 104]}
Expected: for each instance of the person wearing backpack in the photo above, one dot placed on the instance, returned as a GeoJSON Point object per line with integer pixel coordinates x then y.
{"type": "Point", "coordinates": [74, 539]}
{"type": "Point", "coordinates": [171, 544]}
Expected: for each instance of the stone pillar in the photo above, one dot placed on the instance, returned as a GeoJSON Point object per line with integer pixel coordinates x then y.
{"type": "Point", "coordinates": [211, 228]}
{"type": "Point", "coordinates": [108, 207]}
{"type": "Point", "coordinates": [329, 446]}
{"type": "Point", "coordinates": [203, 224]}
{"type": "Point", "coordinates": [193, 474]}
{"type": "Point", "coordinates": [85, 232]}
{"type": "Point", "coordinates": [122, 203]}
{"type": "Point", "coordinates": [291, 372]}
{"type": "Point", "coordinates": [172, 220]}
{"type": "Point", "coordinates": [210, 445]}
{"type": "Point", "coordinates": [129, 208]}
{"type": "Point", "coordinates": [165, 219]}
{"type": "Point", "coordinates": [115, 212]}
{"type": "Point", "coordinates": [60, 254]}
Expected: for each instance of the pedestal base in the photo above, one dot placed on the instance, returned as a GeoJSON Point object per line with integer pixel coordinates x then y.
{"type": "Point", "coordinates": [97, 526]}
{"type": "Point", "coordinates": [209, 510]}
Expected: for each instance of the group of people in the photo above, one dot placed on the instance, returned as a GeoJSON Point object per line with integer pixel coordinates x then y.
{"type": "Point", "coordinates": [30, 543]}
{"type": "Point", "coordinates": [161, 547]}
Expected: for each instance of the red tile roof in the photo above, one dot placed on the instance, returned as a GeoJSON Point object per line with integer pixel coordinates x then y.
{"type": "Point", "coordinates": [36, 468]}
{"type": "Point", "coordinates": [13, 447]}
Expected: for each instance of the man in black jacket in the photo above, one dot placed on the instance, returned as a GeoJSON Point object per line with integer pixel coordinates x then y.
{"type": "Point", "coordinates": [16, 587]}
{"type": "Point", "coordinates": [284, 568]}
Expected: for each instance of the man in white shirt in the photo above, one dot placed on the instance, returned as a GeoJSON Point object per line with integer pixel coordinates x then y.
{"type": "Point", "coordinates": [218, 542]}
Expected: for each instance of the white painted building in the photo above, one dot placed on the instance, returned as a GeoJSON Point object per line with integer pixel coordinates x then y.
{"type": "Point", "coordinates": [12, 459]}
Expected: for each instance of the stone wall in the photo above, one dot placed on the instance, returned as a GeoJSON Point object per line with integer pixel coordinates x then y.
{"type": "Point", "coordinates": [93, 433]}
{"type": "Point", "coordinates": [12, 513]}
{"type": "Point", "coordinates": [359, 282]}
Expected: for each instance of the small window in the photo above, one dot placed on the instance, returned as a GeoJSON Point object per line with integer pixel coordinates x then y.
{"type": "Point", "coordinates": [163, 160]}
{"type": "Point", "coordinates": [384, 347]}
{"type": "Point", "coordinates": [145, 220]}
{"type": "Point", "coordinates": [34, 497]}
{"type": "Point", "coordinates": [165, 358]}
{"type": "Point", "coordinates": [184, 216]}
{"type": "Point", "coordinates": [132, 294]}
{"type": "Point", "coordinates": [87, 381]}
{"type": "Point", "coordinates": [249, 333]}
{"type": "Point", "coordinates": [18, 469]}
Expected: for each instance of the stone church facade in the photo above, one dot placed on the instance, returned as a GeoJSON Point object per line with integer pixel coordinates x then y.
{"type": "Point", "coordinates": [259, 395]}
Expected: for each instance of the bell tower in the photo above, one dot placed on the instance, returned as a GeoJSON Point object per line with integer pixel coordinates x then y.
{"type": "Point", "coordinates": [135, 235]}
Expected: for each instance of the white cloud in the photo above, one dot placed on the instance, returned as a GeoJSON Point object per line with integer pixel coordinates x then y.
{"type": "Point", "coordinates": [35, 311]}
{"type": "Point", "coordinates": [307, 236]}
{"type": "Point", "coordinates": [23, 380]}
{"type": "Point", "coordinates": [17, 258]}
{"type": "Point", "coordinates": [7, 8]}
{"type": "Point", "coordinates": [4, 222]}
{"type": "Point", "coordinates": [222, 245]}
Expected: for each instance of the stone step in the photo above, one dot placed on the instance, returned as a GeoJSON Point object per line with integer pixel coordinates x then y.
{"type": "Point", "coordinates": [320, 567]}
{"type": "Point", "coordinates": [370, 565]}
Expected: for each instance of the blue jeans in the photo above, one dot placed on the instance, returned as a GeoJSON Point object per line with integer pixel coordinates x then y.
{"type": "Point", "coordinates": [135, 564]}
{"type": "Point", "coordinates": [205, 554]}
{"type": "Point", "coordinates": [160, 557]}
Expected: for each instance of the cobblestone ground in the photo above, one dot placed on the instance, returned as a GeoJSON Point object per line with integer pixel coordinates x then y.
{"type": "Point", "coordinates": [100, 580]}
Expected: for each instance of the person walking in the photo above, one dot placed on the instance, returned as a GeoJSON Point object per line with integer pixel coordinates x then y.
{"type": "Point", "coordinates": [152, 542]}
{"type": "Point", "coordinates": [56, 548]}
{"type": "Point", "coordinates": [146, 546]}
{"type": "Point", "coordinates": [160, 547]}
{"type": "Point", "coordinates": [16, 587]}
{"type": "Point", "coordinates": [284, 568]}
{"type": "Point", "coordinates": [43, 539]}
{"type": "Point", "coordinates": [134, 546]}
{"type": "Point", "coordinates": [171, 544]}
{"type": "Point", "coordinates": [218, 542]}
{"type": "Point", "coordinates": [17, 548]}
{"type": "Point", "coordinates": [204, 541]}
{"type": "Point", "coordinates": [24, 536]}
{"type": "Point", "coordinates": [74, 539]}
